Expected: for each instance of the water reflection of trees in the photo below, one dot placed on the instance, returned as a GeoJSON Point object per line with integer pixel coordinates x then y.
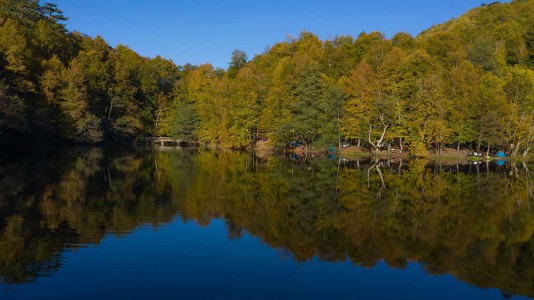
{"type": "Point", "coordinates": [48, 204]}
{"type": "Point", "coordinates": [474, 222]}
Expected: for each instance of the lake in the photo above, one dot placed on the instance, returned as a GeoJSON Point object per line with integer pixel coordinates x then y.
{"type": "Point", "coordinates": [99, 223]}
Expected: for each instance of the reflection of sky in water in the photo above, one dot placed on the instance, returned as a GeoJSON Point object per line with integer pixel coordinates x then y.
{"type": "Point", "coordinates": [187, 261]}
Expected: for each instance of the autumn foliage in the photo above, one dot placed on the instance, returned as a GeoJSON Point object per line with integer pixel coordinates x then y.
{"type": "Point", "coordinates": [467, 83]}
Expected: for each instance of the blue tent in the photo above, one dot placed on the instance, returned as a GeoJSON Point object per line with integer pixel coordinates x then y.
{"type": "Point", "coordinates": [500, 154]}
{"type": "Point", "coordinates": [500, 162]}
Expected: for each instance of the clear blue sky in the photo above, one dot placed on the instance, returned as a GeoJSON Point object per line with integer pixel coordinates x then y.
{"type": "Point", "coordinates": [207, 31]}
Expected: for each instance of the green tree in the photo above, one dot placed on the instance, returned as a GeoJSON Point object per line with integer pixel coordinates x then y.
{"type": "Point", "coordinates": [492, 109]}
{"type": "Point", "coordinates": [239, 59]}
{"type": "Point", "coordinates": [520, 94]}
{"type": "Point", "coordinates": [73, 102]}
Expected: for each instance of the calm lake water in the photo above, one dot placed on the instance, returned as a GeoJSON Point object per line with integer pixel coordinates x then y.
{"type": "Point", "coordinates": [182, 224]}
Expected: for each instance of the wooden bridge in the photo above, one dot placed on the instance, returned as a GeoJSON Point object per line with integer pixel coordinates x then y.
{"type": "Point", "coordinates": [166, 141]}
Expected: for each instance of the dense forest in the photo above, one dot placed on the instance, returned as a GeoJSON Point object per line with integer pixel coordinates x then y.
{"type": "Point", "coordinates": [466, 83]}
{"type": "Point", "coordinates": [468, 221]}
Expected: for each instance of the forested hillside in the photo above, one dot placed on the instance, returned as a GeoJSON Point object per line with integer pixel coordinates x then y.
{"type": "Point", "coordinates": [64, 86]}
{"type": "Point", "coordinates": [466, 83]}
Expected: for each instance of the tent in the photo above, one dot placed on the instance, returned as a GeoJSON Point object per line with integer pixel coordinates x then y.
{"type": "Point", "coordinates": [500, 154]}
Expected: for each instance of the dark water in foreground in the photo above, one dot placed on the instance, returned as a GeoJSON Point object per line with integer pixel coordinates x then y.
{"type": "Point", "coordinates": [94, 224]}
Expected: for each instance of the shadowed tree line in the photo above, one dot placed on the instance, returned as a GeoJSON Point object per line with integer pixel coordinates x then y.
{"type": "Point", "coordinates": [474, 222]}
{"type": "Point", "coordinates": [465, 83]}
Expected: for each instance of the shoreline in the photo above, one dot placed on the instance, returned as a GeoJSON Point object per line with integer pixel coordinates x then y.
{"type": "Point", "coordinates": [447, 156]}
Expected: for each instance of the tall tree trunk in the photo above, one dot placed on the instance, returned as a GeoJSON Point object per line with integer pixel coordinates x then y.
{"type": "Point", "coordinates": [157, 123]}
{"type": "Point", "coordinates": [110, 108]}
{"type": "Point", "coordinates": [338, 129]}
{"type": "Point", "coordinates": [516, 149]}
{"type": "Point", "coordinates": [527, 150]}
{"type": "Point", "coordinates": [376, 146]}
